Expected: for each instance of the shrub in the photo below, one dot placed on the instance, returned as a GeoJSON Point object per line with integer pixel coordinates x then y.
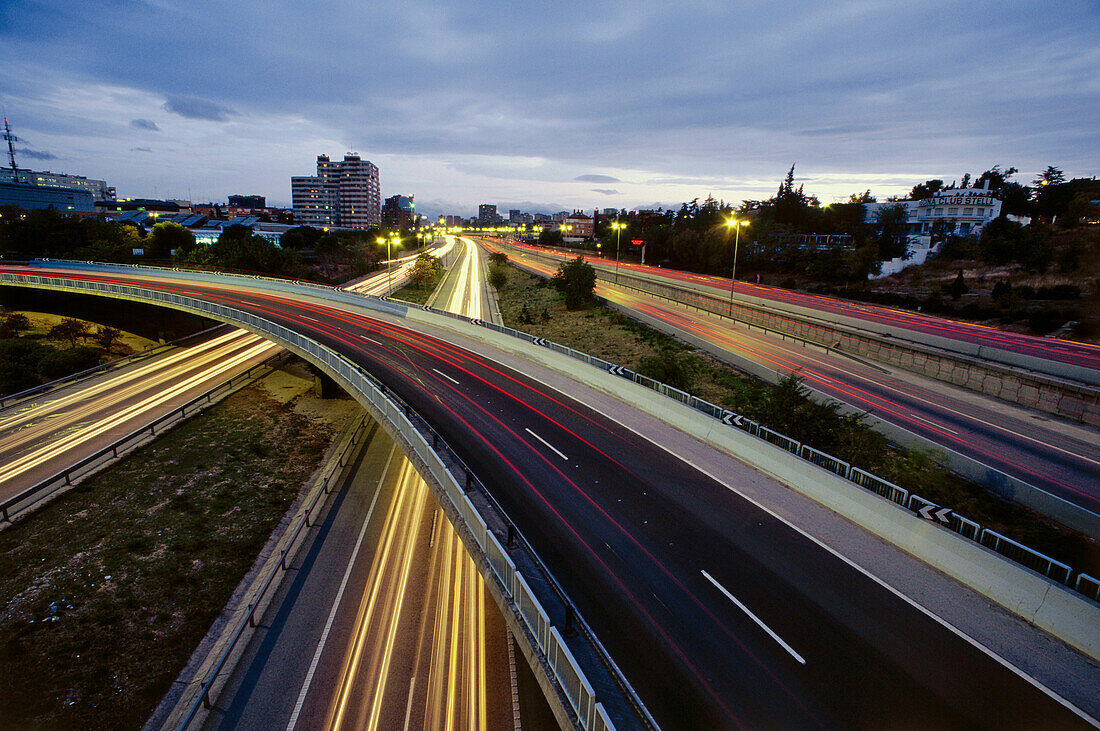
{"type": "Point", "coordinates": [576, 280]}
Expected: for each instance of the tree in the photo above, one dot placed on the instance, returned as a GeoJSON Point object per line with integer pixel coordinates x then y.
{"type": "Point", "coordinates": [105, 337]}
{"type": "Point", "coordinates": [498, 257]}
{"type": "Point", "coordinates": [424, 270]}
{"type": "Point", "coordinates": [13, 324]}
{"type": "Point", "coordinates": [958, 287]}
{"type": "Point", "coordinates": [1050, 176]}
{"type": "Point", "coordinates": [498, 276]}
{"type": "Point", "coordinates": [550, 237]}
{"type": "Point", "coordinates": [892, 225]}
{"type": "Point", "coordinates": [167, 238]}
{"type": "Point", "coordinates": [576, 280]}
{"type": "Point", "coordinates": [925, 190]}
{"type": "Point", "coordinates": [864, 197]}
{"type": "Point", "coordinates": [1052, 197]}
{"type": "Point", "coordinates": [70, 329]}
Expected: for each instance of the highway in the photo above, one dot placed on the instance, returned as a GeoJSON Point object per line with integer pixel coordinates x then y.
{"type": "Point", "coordinates": [719, 612]}
{"type": "Point", "coordinates": [873, 317]}
{"type": "Point", "coordinates": [408, 639]}
{"type": "Point", "coordinates": [1059, 457]}
{"type": "Point", "coordinates": [44, 435]}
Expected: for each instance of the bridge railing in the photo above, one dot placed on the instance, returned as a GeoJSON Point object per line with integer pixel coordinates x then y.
{"type": "Point", "coordinates": [379, 398]}
{"type": "Point", "coordinates": [947, 519]}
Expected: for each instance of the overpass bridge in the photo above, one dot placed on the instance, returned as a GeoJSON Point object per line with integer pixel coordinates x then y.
{"type": "Point", "coordinates": [749, 620]}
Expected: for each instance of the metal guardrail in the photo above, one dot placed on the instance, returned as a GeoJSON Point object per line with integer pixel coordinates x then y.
{"type": "Point", "coordinates": [378, 395]}
{"type": "Point", "coordinates": [18, 504]}
{"type": "Point", "coordinates": [372, 393]}
{"type": "Point", "coordinates": [249, 620]}
{"type": "Point", "coordinates": [945, 518]}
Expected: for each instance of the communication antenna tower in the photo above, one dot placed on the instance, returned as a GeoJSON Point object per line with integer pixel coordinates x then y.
{"type": "Point", "coordinates": [11, 146]}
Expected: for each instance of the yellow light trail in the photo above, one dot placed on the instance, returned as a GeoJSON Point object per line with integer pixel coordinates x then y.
{"type": "Point", "coordinates": [55, 448]}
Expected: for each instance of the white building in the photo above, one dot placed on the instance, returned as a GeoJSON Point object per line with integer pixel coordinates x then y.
{"type": "Point", "coordinates": [957, 211]}
{"type": "Point", "coordinates": [45, 179]}
{"type": "Point", "coordinates": [343, 193]}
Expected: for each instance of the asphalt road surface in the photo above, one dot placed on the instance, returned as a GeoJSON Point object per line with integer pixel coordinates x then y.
{"type": "Point", "coordinates": [1058, 457]}
{"type": "Point", "coordinates": [874, 317]}
{"type": "Point", "coordinates": [44, 435]}
{"type": "Point", "coordinates": [718, 612]}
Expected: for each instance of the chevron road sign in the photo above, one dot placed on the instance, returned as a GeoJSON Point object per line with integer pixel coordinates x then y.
{"type": "Point", "coordinates": [540, 341]}
{"type": "Point", "coordinates": [729, 418]}
{"type": "Point", "coordinates": [617, 370]}
{"type": "Point", "coordinates": [929, 512]}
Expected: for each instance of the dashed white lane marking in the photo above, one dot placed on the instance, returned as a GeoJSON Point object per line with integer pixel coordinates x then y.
{"type": "Point", "coordinates": [548, 445]}
{"type": "Point", "coordinates": [445, 376]}
{"type": "Point", "coordinates": [371, 340]}
{"type": "Point", "coordinates": [754, 618]}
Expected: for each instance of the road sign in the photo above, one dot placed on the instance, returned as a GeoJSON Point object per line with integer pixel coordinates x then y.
{"type": "Point", "coordinates": [729, 418]}
{"type": "Point", "coordinates": [637, 242]}
{"type": "Point", "coordinates": [541, 341]}
{"type": "Point", "coordinates": [929, 512]}
{"type": "Point", "coordinates": [617, 370]}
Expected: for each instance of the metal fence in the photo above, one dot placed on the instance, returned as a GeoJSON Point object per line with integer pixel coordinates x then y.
{"type": "Point", "coordinates": [384, 403]}
{"type": "Point", "coordinates": [966, 528]}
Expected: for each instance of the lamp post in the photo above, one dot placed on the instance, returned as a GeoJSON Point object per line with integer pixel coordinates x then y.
{"type": "Point", "coordinates": [618, 226]}
{"type": "Point", "coordinates": [736, 225]}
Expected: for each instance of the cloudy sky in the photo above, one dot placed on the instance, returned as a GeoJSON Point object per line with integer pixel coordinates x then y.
{"type": "Point", "coordinates": [551, 105]}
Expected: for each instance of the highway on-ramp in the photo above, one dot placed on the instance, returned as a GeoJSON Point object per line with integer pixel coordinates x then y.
{"type": "Point", "coordinates": [718, 612]}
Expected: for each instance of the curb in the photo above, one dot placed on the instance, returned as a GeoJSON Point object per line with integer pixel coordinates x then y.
{"type": "Point", "coordinates": [234, 623]}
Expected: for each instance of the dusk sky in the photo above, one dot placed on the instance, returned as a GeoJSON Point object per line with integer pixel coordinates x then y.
{"type": "Point", "coordinates": [551, 106]}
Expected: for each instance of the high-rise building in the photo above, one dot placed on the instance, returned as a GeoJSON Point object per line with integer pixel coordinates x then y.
{"type": "Point", "coordinates": [340, 194]}
{"type": "Point", "coordinates": [399, 211]}
{"type": "Point", "coordinates": [486, 214]}
{"type": "Point", "coordinates": [247, 201]}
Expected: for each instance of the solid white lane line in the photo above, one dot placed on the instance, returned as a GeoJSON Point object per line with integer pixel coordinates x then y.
{"type": "Point", "coordinates": [549, 446]}
{"type": "Point", "coordinates": [339, 597]}
{"type": "Point", "coordinates": [932, 423]}
{"type": "Point", "coordinates": [754, 618]}
{"type": "Point", "coordinates": [445, 376]}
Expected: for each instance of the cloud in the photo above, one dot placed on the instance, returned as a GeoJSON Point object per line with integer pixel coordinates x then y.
{"type": "Point", "coordinates": [605, 191]}
{"type": "Point", "coordinates": [140, 149]}
{"type": "Point", "coordinates": [37, 154]}
{"type": "Point", "coordinates": [840, 130]}
{"type": "Point", "coordinates": [193, 107]}
{"type": "Point", "coordinates": [597, 179]}
{"type": "Point", "coordinates": [144, 124]}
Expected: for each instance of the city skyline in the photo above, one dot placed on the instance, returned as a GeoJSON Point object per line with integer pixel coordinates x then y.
{"type": "Point", "coordinates": [613, 105]}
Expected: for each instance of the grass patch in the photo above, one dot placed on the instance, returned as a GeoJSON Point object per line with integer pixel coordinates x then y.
{"type": "Point", "coordinates": [108, 589]}
{"type": "Point", "coordinates": [534, 306]}
{"type": "Point", "coordinates": [418, 294]}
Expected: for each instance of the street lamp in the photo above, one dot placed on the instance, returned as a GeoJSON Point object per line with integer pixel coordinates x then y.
{"type": "Point", "coordinates": [736, 225]}
{"type": "Point", "coordinates": [618, 226]}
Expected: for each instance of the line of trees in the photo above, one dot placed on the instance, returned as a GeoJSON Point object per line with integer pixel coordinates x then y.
{"type": "Point", "coordinates": [303, 252]}
{"type": "Point", "coordinates": [793, 233]}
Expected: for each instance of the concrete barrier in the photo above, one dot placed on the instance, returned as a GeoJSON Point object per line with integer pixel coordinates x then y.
{"type": "Point", "coordinates": [1050, 606]}
{"type": "Point", "coordinates": [1065, 390]}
